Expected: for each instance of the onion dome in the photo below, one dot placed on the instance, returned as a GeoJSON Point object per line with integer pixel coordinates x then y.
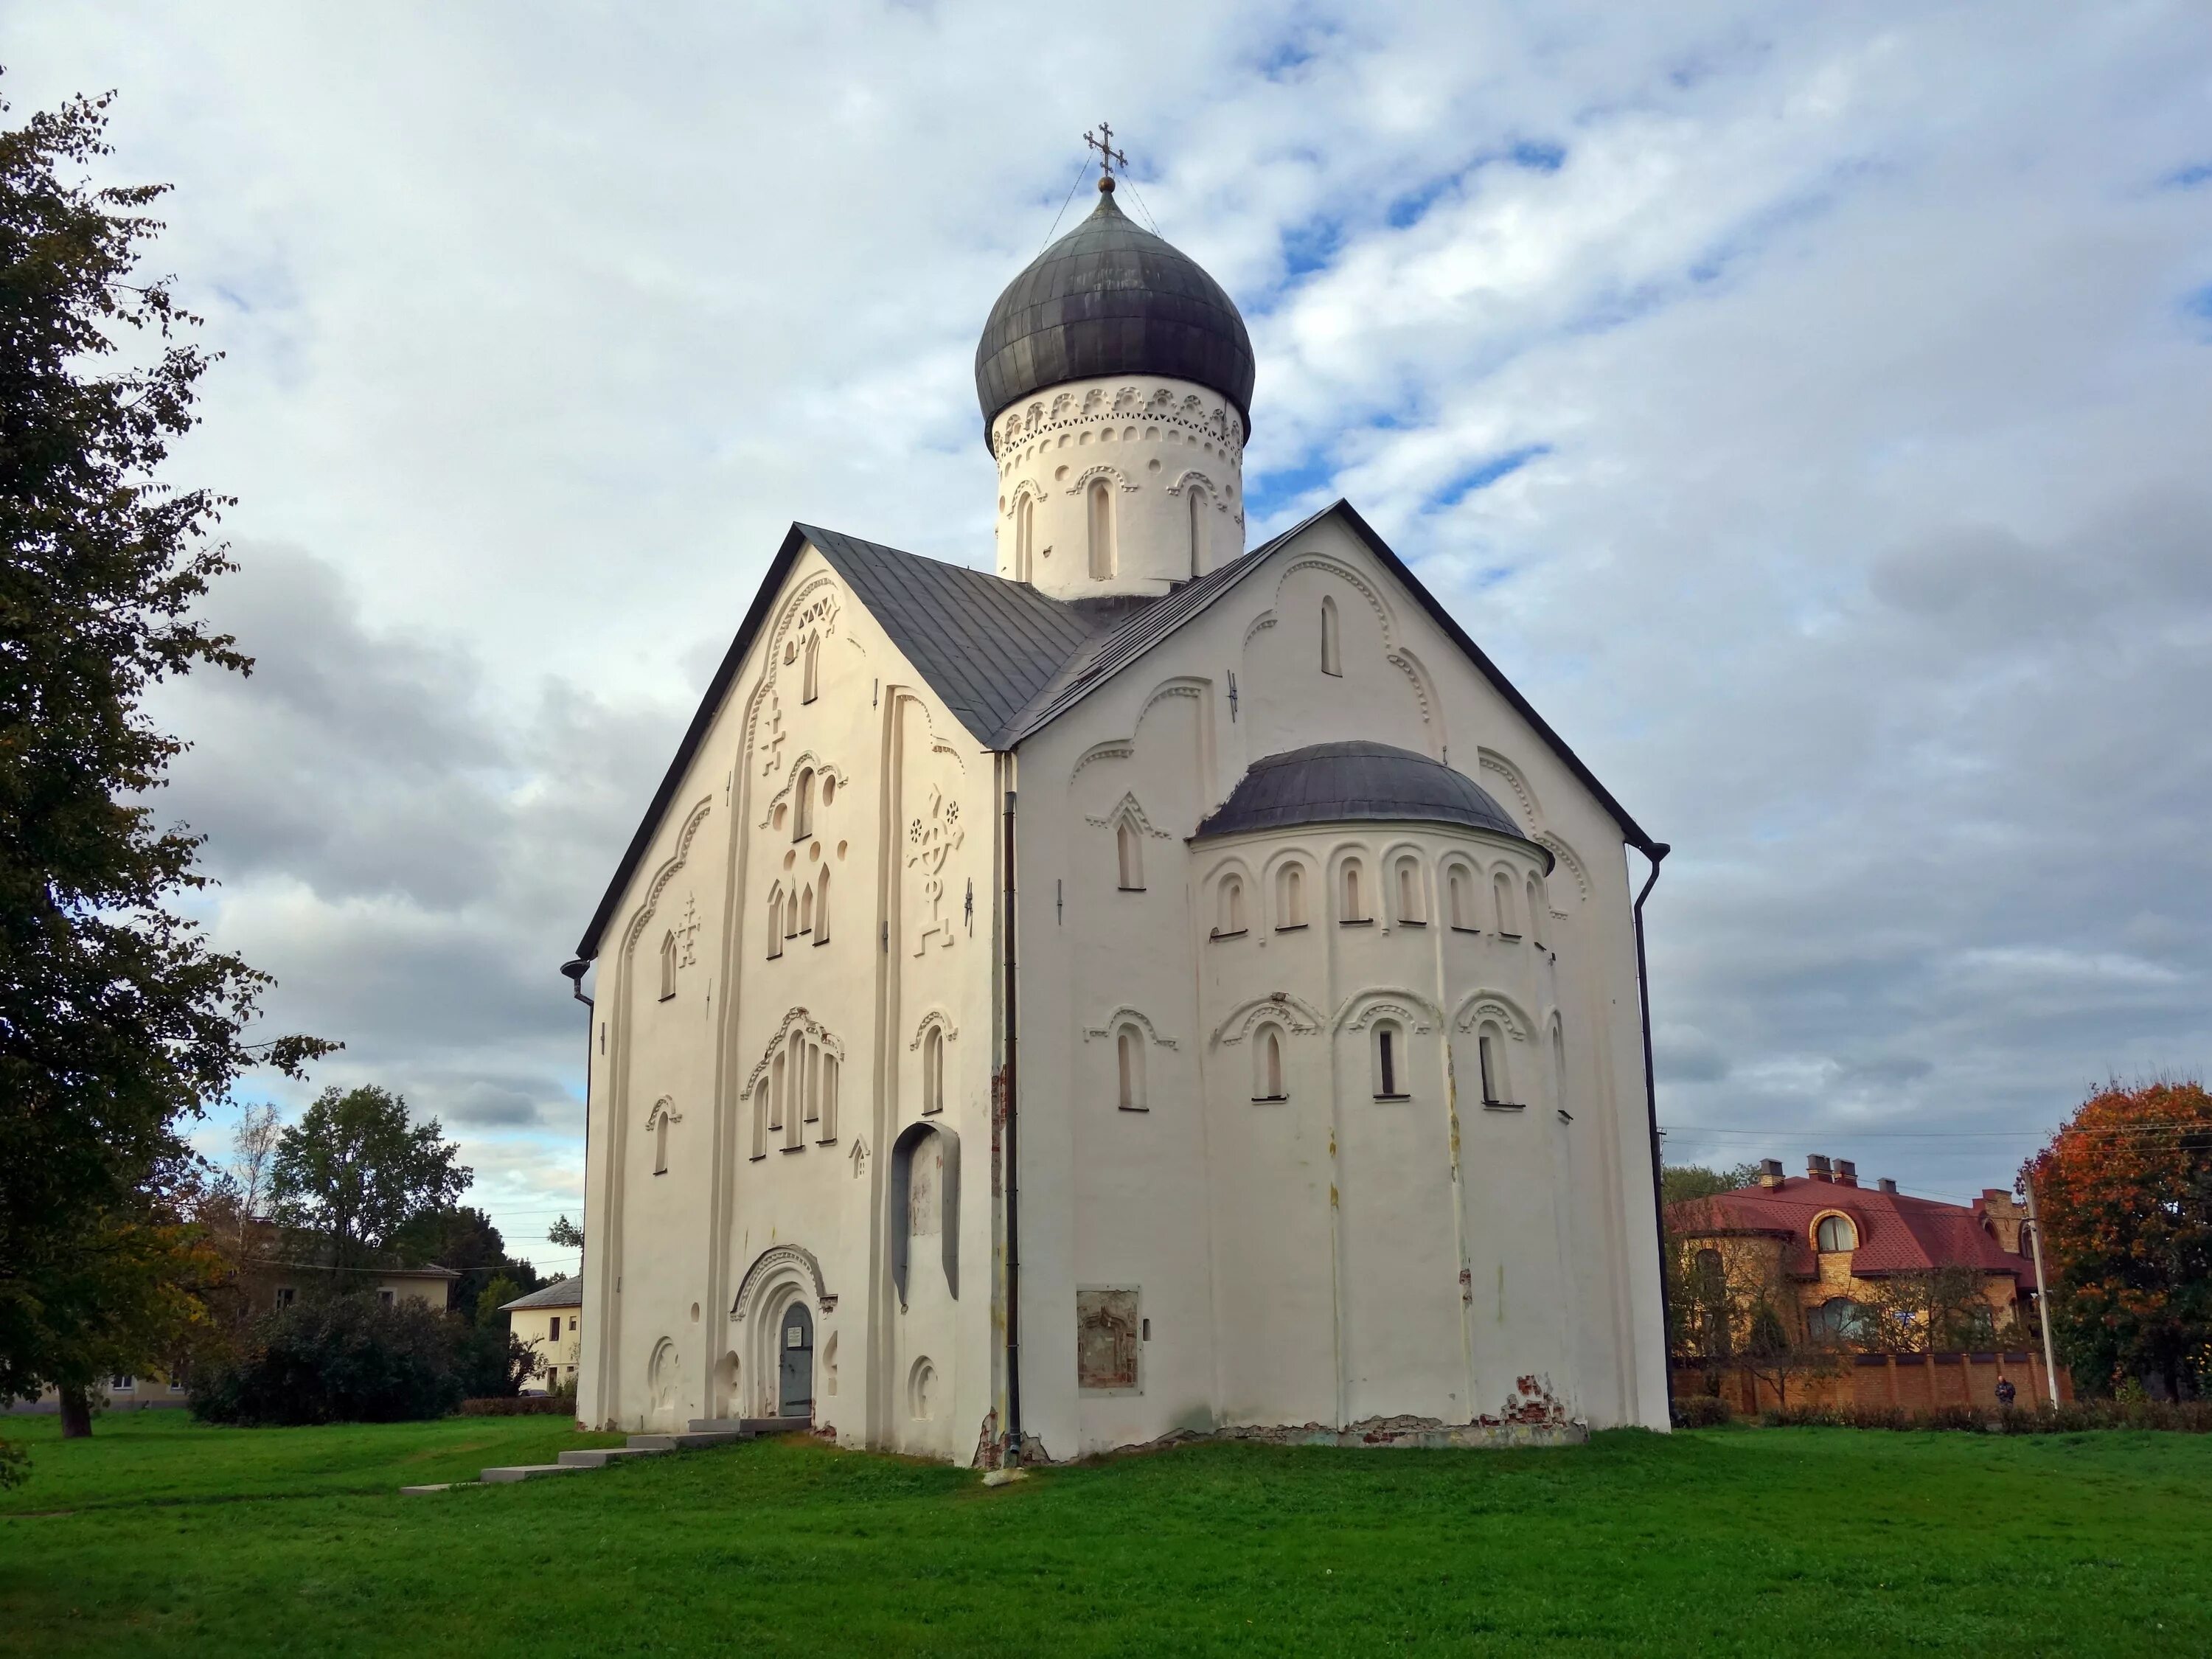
{"type": "Point", "coordinates": [1109, 297]}
{"type": "Point", "coordinates": [1359, 782]}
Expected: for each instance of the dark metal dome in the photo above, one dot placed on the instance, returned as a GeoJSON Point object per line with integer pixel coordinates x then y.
{"type": "Point", "coordinates": [1106, 299]}
{"type": "Point", "coordinates": [1359, 781]}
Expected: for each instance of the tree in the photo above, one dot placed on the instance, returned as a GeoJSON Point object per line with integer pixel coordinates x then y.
{"type": "Point", "coordinates": [355, 1171]}
{"type": "Point", "coordinates": [253, 1150]}
{"type": "Point", "coordinates": [2123, 1193]}
{"type": "Point", "coordinates": [566, 1234]}
{"type": "Point", "coordinates": [1937, 1311]}
{"type": "Point", "coordinates": [117, 1020]}
{"type": "Point", "coordinates": [1679, 1182]}
{"type": "Point", "coordinates": [465, 1240]}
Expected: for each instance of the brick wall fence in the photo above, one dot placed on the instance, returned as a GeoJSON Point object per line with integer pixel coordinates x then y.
{"type": "Point", "coordinates": [1917, 1382]}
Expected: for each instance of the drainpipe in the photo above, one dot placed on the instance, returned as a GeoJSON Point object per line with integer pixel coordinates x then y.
{"type": "Point", "coordinates": [1013, 1442]}
{"type": "Point", "coordinates": [1657, 852]}
{"type": "Point", "coordinates": [574, 971]}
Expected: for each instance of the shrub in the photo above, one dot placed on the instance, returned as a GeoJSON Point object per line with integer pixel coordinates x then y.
{"type": "Point", "coordinates": [1967, 1418]}
{"type": "Point", "coordinates": [1701, 1411]}
{"type": "Point", "coordinates": [349, 1360]}
{"type": "Point", "coordinates": [15, 1465]}
{"type": "Point", "coordinates": [521, 1405]}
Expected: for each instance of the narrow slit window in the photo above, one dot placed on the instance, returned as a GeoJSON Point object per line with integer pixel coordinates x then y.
{"type": "Point", "coordinates": [1102, 530]}
{"type": "Point", "coordinates": [775, 1093]}
{"type": "Point", "coordinates": [1489, 1054]}
{"type": "Point", "coordinates": [1231, 918]}
{"type": "Point", "coordinates": [1501, 889]}
{"type": "Point", "coordinates": [775, 921]}
{"type": "Point", "coordinates": [1129, 1060]}
{"type": "Point", "coordinates": [1355, 902]}
{"type": "Point", "coordinates": [807, 911]}
{"type": "Point", "coordinates": [1197, 528]}
{"type": "Point", "coordinates": [1129, 857]}
{"type": "Point", "coordinates": [802, 810]}
{"type": "Point", "coordinates": [1558, 1065]}
{"type": "Point", "coordinates": [932, 1070]}
{"type": "Point", "coordinates": [1463, 900]}
{"type": "Point", "coordinates": [761, 1096]}
{"type": "Point", "coordinates": [1025, 539]}
{"type": "Point", "coordinates": [822, 908]}
{"type": "Point", "coordinates": [1332, 643]}
{"type": "Point", "coordinates": [796, 1078]}
{"type": "Point", "coordinates": [828, 1131]}
{"type": "Point", "coordinates": [1389, 1060]}
{"type": "Point", "coordinates": [1535, 909]}
{"type": "Point", "coordinates": [814, 1083]}
{"type": "Point", "coordinates": [1290, 896]}
{"type": "Point", "coordinates": [1267, 1064]}
{"type": "Point", "coordinates": [667, 966]}
{"type": "Point", "coordinates": [661, 1142]}
{"type": "Point", "coordinates": [1409, 893]}
{"type": "Point", "coordinates": [809, 683]}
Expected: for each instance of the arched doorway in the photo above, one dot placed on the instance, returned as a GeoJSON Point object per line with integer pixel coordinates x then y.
{"type": "Point", "coordinates": [795, 1379]}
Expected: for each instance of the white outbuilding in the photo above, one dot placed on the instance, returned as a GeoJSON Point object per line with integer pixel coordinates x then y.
{"type": "Point", "coordinates": [1156, 988]}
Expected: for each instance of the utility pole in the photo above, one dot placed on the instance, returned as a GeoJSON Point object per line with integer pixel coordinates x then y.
{"type": "Point", "coordinates": [2042, 1297]}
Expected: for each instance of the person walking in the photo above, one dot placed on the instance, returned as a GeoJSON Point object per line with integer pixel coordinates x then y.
{"type": "Point", "coordinates": [2006, 1391]}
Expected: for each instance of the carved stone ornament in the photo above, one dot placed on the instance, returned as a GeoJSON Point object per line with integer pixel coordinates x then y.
{"type": "Point", "coordinates": [775, 1257]}
{"type": "Point", "coordinates": [932, 839]}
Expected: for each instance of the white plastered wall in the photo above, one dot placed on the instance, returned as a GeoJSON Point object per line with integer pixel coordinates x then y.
{"type": "Point", "coordinates": [688, 1269]}
{"type": "Point", "coordinates": [1216, 1209]}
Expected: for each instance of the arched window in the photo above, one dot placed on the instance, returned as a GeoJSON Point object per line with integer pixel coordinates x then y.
{"type": "Point", "coordinates": [1709, 1270]}
{"type": "Point", "coordinates": [1389, 1060]}
{"type": "Point", "coordinates": [1409, 894]}
{"type": "Point", "coordinates": [1197, 498]}
{"type": "Point", "coordinates": [660, 1140]}
{"type": "Point", "coordinates": [1355, 900]}
{"type": "Point", "coordinates": [1129, 856]}
{"type": "Point", "coordinates": [1267, 1063]}
{"type": "Point", "coordinates": [667, 966]}
{"type": "Point", "coordinates": [1332, 646]}
{"type": "Point", "coordinates": [809, 679]}
{"type": "Point", "coordinates": [1129, 1057]}
{"type": "Point", "coordinates": [822, 907]}
{"type": "Point", "coordinates": [1835, 1232]}
{"type": "Point", "coordinates": [1490, 1054]}
{"type": "Point", "coordinates": [1289, 897]}
{"type": "Point", "coordinates": [1535, 909]}
{"type": "Point", "coordinates": [1230, 919]}
{"type": "Point", "coordinates": [827, 1129]}
{"type": "Point", "coordinates": [806, 910]}
{"type": "Point", "coordinates": [802, 810]}
{"type": "Point", "coordinates": [761, 1099]}
{"type": "Point", "coordinates": [776, 920]}
{"type": "Point", "coordinates": [1501, 889]}
{"type": "Point", "coordinates": [800, 1079]}
{"type": "Point", "coordinates": [1025, 538]}
{"type": "Point", "coordinates": [775, 1100]}
{"type": "Point", "coordinates": [1102, 529]}
{"type": "Point", "coordinates": [1836, 1320]}
{"type": "Point", "coordinates": [1460, 890]}
{"type": "Point", "coordinates": [932, 1070]}
{"type": "Point", "coordinates": [2026, 1239]}
{"type": "Point", "coordinates": [1558, 1065]}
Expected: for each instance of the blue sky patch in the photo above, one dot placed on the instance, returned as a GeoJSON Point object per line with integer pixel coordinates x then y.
{"type": "Point", "coordinates": [1539, 156]}
{"type": "Point", "coordinates": [1487, 473]}
{"type": "Point", "coordinates": [2189, 177]}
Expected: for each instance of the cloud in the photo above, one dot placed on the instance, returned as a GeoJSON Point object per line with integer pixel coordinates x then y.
{"type": "Point", "coordinates": [1805, 407]}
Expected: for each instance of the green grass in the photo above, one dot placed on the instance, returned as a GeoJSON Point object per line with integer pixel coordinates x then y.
{"type": "Point", "coordinates": [161, 1536]}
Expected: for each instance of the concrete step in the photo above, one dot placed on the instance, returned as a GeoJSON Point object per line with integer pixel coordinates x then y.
{"type": "Point", "coordinates": [514, 1471]}
{"type": "Point", "coordinates": [750, 1426]}
{"type": "Point", "coordinates": [682, 1442]}
{"type": "Point", "coordinates": [440, 1486]}
{"type": "Point", "coordinates": [599, 1456]}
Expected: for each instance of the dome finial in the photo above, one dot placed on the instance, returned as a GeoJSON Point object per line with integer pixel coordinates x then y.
{"type": "Point", "coordinates": [1109, 157]}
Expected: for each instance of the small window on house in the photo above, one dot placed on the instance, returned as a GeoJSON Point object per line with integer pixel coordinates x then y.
{"type": "Point", "coordinates": [809, 679]}
{"type": "Point", "coordinates": [1537, 908]}
{"type": "Point", "coordinates": [554, 1335]}
{"type": "Point", "coordinates": [1490, 1057]}
{"type": "Point", "coordinates": [1409, 894]}
{"type": "Point", "coordinates": [1332, 646]}
{"type": "Point", "coordinates": [1102, 529]}
{"type": "Point", "coordinates": [385, 1296]}
{"type": "Point", "coordinates": [802, 810]}
{"type": "Point", "coordinates": [1129, 857]}
{"type": "Point", "coordinates": [1354, 897]}
{"type": "Point", "coordinates": [667, 966]}
{"type": "Point", "coordinates": [822, 907]}
{"type": "Point", "coordinates": [775, 921]}
{"type": "Point", "coordinates": [1460, 892]}
{"type": "Point", "coordinates": [1129, 1061]}
{"type": "Point", "coordinates": [1836, 1320]}
{"type": "Point", "coordinates": [1289, 897]}
{"type": "Point", "coordinates": [1389, 1060]}
{"type": "Point", "coordinates": [1229, 916]}
{"type": "Point", "coordinates": [1709, 1270]}
{"type": "Point", "coordinates": [1836, 1233]}
{"type": "Point", "coordinates": [130, 1384]}
{"type": "Point", "coordinates": [932, 1069]}
{"type": "Point", "coordinates": [286, 1296]}
{"type": "Point", "coordinates": [1501, 890]}
{"type": "Point", "coordinates": [1267, 1063]}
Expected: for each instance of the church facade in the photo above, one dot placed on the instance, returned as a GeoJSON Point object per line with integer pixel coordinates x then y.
{"type": "Point", "coordinates": [1157, 988]}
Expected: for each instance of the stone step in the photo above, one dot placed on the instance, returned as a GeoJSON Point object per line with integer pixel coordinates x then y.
{"type": "Point", "coordinates": [750, 1426]}
{"type": "Point", "coordinates": [684, 1442]}
{"type": "Point", "coordinates": [598, 1457]}
{"type": "Point", "coordinates": [440, 1486]}
{"type": "Point", "coordinates": [514, 1471]}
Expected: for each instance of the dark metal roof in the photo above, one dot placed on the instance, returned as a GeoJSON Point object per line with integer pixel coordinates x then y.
{"type": "Point", "coordinates": [1358, 781]}
{"type": "Point", "coordinates": [986, 644]}
{"type": "Point", "coordinates": [561, 1293]}
{"type": "Point", "coordinates": [1108, 298]}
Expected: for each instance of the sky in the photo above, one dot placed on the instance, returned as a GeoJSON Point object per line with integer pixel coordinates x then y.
{"type": "Point", "coordinates": [1808, 407]}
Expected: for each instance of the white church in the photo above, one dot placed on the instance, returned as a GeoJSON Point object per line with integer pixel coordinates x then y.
{"type": "Point", "coordinates": [1158, 988]}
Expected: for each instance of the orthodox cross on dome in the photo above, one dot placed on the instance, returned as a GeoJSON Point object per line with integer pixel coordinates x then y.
{"type": "Point", "coordinates": [1109, 157]}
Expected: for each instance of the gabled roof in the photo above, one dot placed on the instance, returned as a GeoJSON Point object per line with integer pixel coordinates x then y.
{"type": "Point", "coordinates": [561, 1293]}
{"type": "Point", "coordinates": [1897, 1234]}
{"type": "Point", "coordinates": [1008, 660]}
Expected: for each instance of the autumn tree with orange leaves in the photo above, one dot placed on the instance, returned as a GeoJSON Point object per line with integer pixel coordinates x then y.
{"type": "Point", "coordinates": [2124, 1193]}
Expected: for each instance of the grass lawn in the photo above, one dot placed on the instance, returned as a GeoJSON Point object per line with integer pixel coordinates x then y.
{"type": "Point", "coordinates": [159, 1535]}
